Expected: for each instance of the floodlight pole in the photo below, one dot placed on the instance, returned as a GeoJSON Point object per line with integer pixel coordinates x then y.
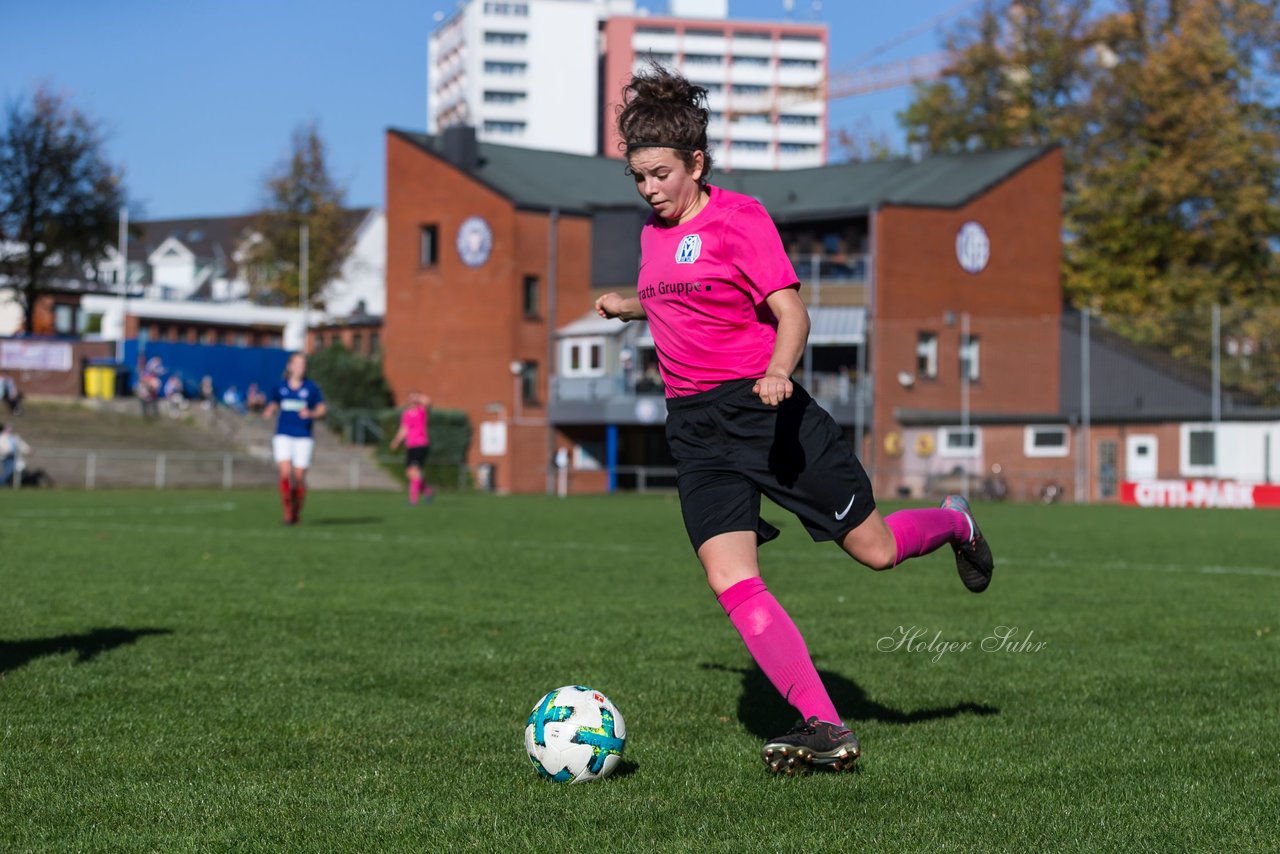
{"type": "Point", "coordinates": [123, 247]}
{"type": "Point", "coordinates": [303, 283]}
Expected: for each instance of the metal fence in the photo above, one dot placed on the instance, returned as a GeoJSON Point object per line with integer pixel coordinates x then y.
{"type": "Point", "coordinates": [94, 469]}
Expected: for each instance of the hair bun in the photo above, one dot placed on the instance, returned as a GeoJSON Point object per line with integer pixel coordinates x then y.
{"type": "Point", "coordinates": [662, 107]}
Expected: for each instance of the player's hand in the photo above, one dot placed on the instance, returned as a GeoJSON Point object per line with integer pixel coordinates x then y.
{"type": "Point", "coordinates": [609, 306]}
{"type": "Point", "coordinates": [772, 388]}
{"type": "Point", "coordinates": [304, 414]}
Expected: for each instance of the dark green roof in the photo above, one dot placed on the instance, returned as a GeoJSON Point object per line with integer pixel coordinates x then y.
{"type": "Point", "coordinates": [575, 183]}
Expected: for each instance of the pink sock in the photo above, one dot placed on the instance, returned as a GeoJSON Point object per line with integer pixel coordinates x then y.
{"type": "Point", "coordinates": [777, 646]}
{"type": "Point", "coordinates": [918, 532]}
{"type": "Point", "coordinates": [415, 489]}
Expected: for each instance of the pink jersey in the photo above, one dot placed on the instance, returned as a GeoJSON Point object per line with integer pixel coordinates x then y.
{"type": "Point", "coordinates": [703, 286]}
{"type": "Point", "coordinates": [414, 422]}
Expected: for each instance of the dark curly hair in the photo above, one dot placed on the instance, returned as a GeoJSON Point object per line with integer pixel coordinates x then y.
{"type": "Point", "coordinates": [661, 109]}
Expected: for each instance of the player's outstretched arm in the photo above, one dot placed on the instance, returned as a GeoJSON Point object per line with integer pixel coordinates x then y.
{"type": "Point", "coordinates": [613, 305]}
{"type": "Point", "coordinates": [269, 411]}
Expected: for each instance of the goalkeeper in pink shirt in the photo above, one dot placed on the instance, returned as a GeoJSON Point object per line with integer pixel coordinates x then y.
{"type": "Point", "coordinates": [723, 305]}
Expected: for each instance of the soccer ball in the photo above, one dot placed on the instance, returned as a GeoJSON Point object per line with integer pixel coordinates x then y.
{"type": "Point", "coordinates": [575, 735]}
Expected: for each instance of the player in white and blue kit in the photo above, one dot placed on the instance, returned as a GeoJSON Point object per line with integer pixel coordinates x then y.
{"type": "Point", "coordinates": [299, 402]}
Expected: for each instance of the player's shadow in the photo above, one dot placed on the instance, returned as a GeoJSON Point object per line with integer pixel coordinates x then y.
{"type": "Point", "coordinates": [87, 646]}
{"type": "Point", "coordinates": [345, 520]}
{"type": "Point", "coordinates": [762, 710]}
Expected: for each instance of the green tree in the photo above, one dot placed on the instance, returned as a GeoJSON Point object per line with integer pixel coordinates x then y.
{"type": "Point", "coordinates": [1015, 76]}
{"type": "Point", "coordinates": [1177, 200]}
{"type": "Point", "coordinates": [349, 381]}
{"type": "Point", "coordinates": [299, 190]}
{"type": "Point", "coordinates": [60, 197]}
{"type": "Point", "coordinates": [1168, 116]}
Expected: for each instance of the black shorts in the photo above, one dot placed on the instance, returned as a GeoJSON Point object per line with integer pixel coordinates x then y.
{"type": "Point", "coordinates": [730, 447]}
{"type": "Point", "coordinates": [416, 456]}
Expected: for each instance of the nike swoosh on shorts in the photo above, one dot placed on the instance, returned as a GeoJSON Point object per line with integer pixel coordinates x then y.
{"type": "Point", "coordinates": [845, 512]}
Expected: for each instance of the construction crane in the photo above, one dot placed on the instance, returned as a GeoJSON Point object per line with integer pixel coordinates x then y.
{"type": "Point", "coordinates": [847, 84]}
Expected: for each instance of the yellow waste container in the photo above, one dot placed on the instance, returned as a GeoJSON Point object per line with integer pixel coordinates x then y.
{"type": "Point", "coordinates": [100, 381]}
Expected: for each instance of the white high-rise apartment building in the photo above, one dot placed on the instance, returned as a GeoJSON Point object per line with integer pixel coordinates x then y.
{"type": "Point", "coordinates": [549, 74]}
{"type": "Point", "coordinates": [522, 72]}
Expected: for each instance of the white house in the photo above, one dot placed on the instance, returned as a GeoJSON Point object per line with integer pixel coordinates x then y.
{"type": "Point", "coordinates": [185, 282]}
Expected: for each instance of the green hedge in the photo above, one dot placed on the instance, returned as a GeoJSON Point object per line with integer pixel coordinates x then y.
{"type": "Point", "coordinates": [450, 431]}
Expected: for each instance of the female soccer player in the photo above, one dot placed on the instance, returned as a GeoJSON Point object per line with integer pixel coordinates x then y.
{"type": "Point", "coordinates": [417, 443]}
{"type": "Point", "coordinates": [299, 402]}
{"type": "Point", "coordinates": [722, 302]}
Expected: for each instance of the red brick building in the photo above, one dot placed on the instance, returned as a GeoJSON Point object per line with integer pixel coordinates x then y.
{"type": "Point", "coordinates": [915, 272]}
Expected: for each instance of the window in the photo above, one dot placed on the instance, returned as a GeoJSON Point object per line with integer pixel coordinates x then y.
{"type": "Point", "coordinates": [959, 442]}
{"type": "Point", "coordinates": [748, 89]}
{"type": "Point", "coordinates": [703, 59]}
{"type": "Point", "coordinates": [798, 121]}
{"type": "Point", "coordinates": [357, 344]}
{"type": "Point", "coordinates": [506, 68]}
{"type": "Point", "coordinates": [797, 148]}
{"type": "Point", "coordinates": [505, 38]}
{"type": "Point", "coordinates": [588, 456]}
{"type": "Point", "coordinates": [530, 298]}
{"type": "Point", "coordinates": [529, 383]}
{"type": "Point", "coordinates": [1199, 450]}
{"type": "Point", "coordinates": [64, 319]}
{"type": "Point", "coordinates": [582, 357]}
{"type": "Point", "coordinates": [749, 145]}
{"type": "Point", "coordinates": [927, 355]}
{"type": "Point", "coordinates": [798, 63]}
{"type": "Point", "coordinates": [493, 96]}
{"type": "Point", "coordinates": [519, 10]}
{"type": "Point", "coordinates": [969, 359]}
{"type": "Point", "coordinates": [428, 246]}
{"type": "Point", "coordinates": [1046, 442]}
{"type": "Point", "coordinates": [758, 61]}
{"type": "Point", "coordinates": [655, 31]}
{"type": "Point", "coordinates": [503, 127]}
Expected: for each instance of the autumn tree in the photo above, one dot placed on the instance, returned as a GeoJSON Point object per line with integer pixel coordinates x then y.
{"type": "Point", "coordinates": [1014, 78]}
{"type": "Point", "coordinates": [1169, 121]}
{"type": "Point", "coordinates": [60, 197]}
{"type": "Point", "coordinates": [298, 191]}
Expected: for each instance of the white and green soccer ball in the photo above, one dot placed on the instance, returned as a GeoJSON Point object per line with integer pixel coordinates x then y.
{"type": "Point", "coordinates": [575, 735]}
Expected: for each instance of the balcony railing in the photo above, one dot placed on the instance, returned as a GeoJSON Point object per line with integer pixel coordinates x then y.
{"type": "Point", "coordinates": [640, 399]}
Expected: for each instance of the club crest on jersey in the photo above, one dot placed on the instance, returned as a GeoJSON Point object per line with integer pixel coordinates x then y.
{"type": "Point", "coordinates": [690, 249]}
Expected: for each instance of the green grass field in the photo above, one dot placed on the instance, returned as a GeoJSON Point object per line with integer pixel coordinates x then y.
{"type": "Point", "coordinates": [178, 672]}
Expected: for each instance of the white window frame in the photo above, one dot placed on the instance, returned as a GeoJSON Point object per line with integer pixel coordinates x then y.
{"type": "Point", "coordinates": [583, 346]}
{"type": "Point", "coordinates": [971, 358]}
{"type": "Point", "coordinates": [1031, 449]}
{"type": "Point", "coordinates": [1184, 450]}
{"type": "Point", "coordinates": [945, 450]}
{"type": "Point", "coordinates": [927, 348]}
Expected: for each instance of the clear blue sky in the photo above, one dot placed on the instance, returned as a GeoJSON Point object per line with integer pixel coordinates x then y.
{"type": "Point", "coordinates": [198, 100]}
